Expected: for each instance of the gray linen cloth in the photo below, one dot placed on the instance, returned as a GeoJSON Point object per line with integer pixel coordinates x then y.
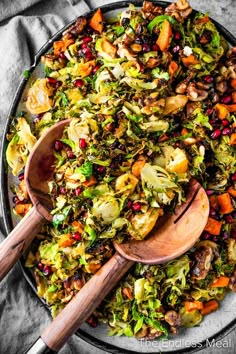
{"type": "Point", "coordinates": [25, 25]}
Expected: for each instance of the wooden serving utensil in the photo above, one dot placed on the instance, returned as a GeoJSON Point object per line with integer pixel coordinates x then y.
{"type": "Point", "coordinates": [172, 236]}
{"type": "Point", "coordinates": [38, 171]}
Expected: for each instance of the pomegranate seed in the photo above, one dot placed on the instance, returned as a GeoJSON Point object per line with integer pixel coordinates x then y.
{"type": "Point", "coordinates": [63, 190]}
{"type": "Point", "coordinates": [40, 266]}
{"type": "Point", "coordinates": [58, 84]}
{"type": "Point", "coordinates": [228, 219]}
{"type": "Point", "coordinates": [89, 56]}
{"type": "Point", "coordinates": [213, 213]}
{"type": "Point", "coordinates": [225, 122]}
{"type": "Point", "coordinates": [146, 47]}
{"type": "Point", "coordinates": [214, 238]}
{"type": "Point", "coordinates": [21, 176]}
{"type": "Point", "coordinates": [87, 39]}
{"type": "Point", "coordinates": [209, 111]}
{"type": "Point", "coordinates": [226, 99]}
{"type": "Point", "coordinates": [101, 169]}
{"type": "Point", "coordinates": [155, 47]}
{"type": "Point", "coordinates": [82, 143]}
{"type": "Point", "coordinates": [141, 67]}
{"type": "Point", "coordinates": [47, 270]}
{"type": "Point", "coordinates": [216, 134]}
{"type": "Point", "coordinates": [226, 131]}
{"type": "Point", "coordinates": [52, 81]}
{"type": "Point", "coordinates": [225, 235]}
{"type": "Point", "coordinates": [58, 146]}
{"type": "Point", "coordinates": [78, 83]}
{"type": "Point", "coordinates": [15, 199]}
{"type": "Point", "coordinates": [122, 147]}
{"type": "Point", "coordinates": [96, 68]}
{"type": "Point", "coordinates": [176, 49]}
{"type": "Point", "coordinates": [206, 236]}
{"type": "Point", "coordinates": [136, 206]}
{"type": "Point", "coordinates": [85, 48]}
{"type": "Point", "coordinates": [177, 36]}
{"type": "Point", "coordinates": [62, 55]}
{"type": "Point", "coordinates": [78, 191]}
{"type": "Point", "coordinates": [129, 204]}
{"type": "Point", "coordinates": [92, 321]}
{"type": "Point", "coordinates": [37, 118]}
{"type": "Point", "coordinates": [77, 236]}
{"type": "Point", "coordinates": [208, 79]}
{"type": "Point", "coordinates": [233, 177]}
{"type": "Point", "coordinates": [209, 192]}
{"type": "Point", "coordinates": [70, 154]}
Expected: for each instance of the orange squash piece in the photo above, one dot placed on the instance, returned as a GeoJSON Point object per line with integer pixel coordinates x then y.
{"type": "Point", "coordinates": [232, 108]}
{"type": "Point", "coordinates": [193, 305]}
{"type": "Point", "coordinates": [96, 21]}
{"type": "Point", "coordinates": [232, 139]}
{"type": "Point", "coordinates": [164, 38]}
{"type": "Point", "coordinates": [90, 182]}
{"type": "Point", "coordinates": [222, 110]}
{"type": "Point", "coordinates": [221, 282]}
{"type": "Point", "coordinates": [108, 48]}
{"type": "Point", "coordinates": [209, 307]}
{"type": "Point", "coordinates": [232, 191]}
{"type": "Point", "coordinates": [77, 226]}
{"type": "Point", "coordinates": [173, 67]}
{"type": "Point", "coordinates": [233, 83]}
{"type": "Point", "coordinates": [138, 165]}
{"type": "Point", "coordinates": [213, 226]}
{"type": "Point", "coordinates": [190, 60]}
{"type": "Point", "coordinates": [225, 204]}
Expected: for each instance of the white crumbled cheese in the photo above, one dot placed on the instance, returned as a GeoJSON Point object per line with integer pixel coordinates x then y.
{"type": "Point", "coordinates": [187, 51]}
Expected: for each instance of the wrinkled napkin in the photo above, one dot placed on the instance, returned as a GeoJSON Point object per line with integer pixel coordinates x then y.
{"type": "Point", "coordinates": [25, 25]}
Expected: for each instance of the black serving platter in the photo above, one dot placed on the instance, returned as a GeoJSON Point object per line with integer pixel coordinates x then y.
{"type": "Point", "coordinates": [93, 336]}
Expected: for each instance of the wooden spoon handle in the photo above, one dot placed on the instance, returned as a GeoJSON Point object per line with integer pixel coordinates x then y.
{"type": "Point", "coordinates": [19, 239]}
{"type": "Point", "coordinates": [84, 303]}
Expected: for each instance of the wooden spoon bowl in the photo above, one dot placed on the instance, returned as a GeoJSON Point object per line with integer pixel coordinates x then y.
{"type": "Point", "coordinates": [173, 235]}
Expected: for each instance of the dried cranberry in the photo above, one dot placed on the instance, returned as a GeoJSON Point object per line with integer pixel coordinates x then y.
{"type": "Point", "coordinates": [47, 270]}
{"type": "Point", "coordinates": [77, 236]}
{"type": "Point", "coordinates": [216, 134]}
{"type": "Point", "coordinates": [226, 99]}
{"type": "Point", "coordinates": [82, 143]}
{"type": "Point", "coordinates": [138, 40]}
{"type": "Point", "coordinates": [78, 191]}
{"type": "Point", "coordinates": [136, 206]}
{"type": "Point", "coordinates": [146, 47]}
{"type": "Point", "coordinates": [122, 147]}
{"type": "Point", "coordinates": [78, 83]}
{"type": "Point", "coordinates": [208, 79]}
{"type": "Point", "coordinates": [213, 213]}
{"type": "Point", "coordinates": [21, 176]}
{"type": "Point", "coordinates": [129, 204]}
{"type": "Point", "coordinates": [87, 39]}
{"type": "Point", "coordinates": [141, 67]}
{"type": "Point", "coordinates": [85, 48]}
{"type": "Point", "coordinates": [58, 146]}
{"type": "Point", "coordinates": [226, 131]}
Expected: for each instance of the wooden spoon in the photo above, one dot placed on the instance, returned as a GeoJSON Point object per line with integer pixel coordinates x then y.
{"type": "Point", "coordinates": [172, 236]}
{"type": "Point", "coordinates": [38, 171]}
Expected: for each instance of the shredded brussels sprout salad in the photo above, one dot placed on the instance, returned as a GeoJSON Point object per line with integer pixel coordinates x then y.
{"type": "Point", "coordinates": [151, 96]}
